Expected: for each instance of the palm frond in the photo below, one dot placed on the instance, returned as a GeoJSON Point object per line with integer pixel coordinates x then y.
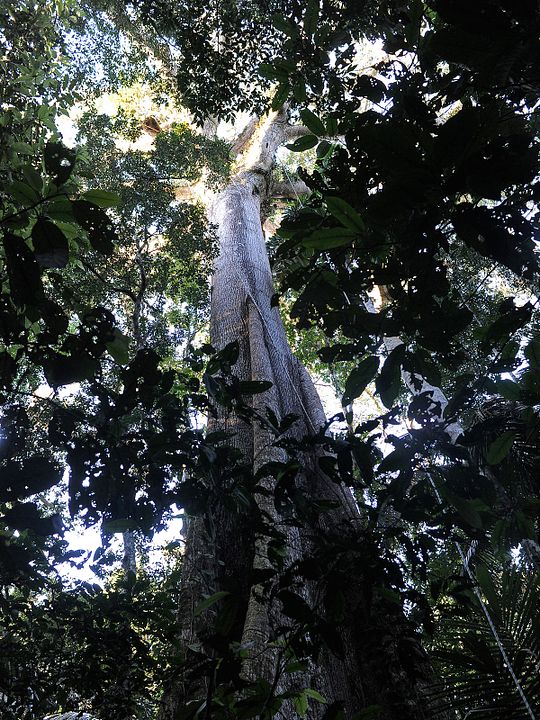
{"type": "Point", "coordinates": [475, 677]}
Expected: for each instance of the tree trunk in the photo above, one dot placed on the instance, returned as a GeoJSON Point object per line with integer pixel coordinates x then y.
{"type": "Point", "coordinates": [375, 658]}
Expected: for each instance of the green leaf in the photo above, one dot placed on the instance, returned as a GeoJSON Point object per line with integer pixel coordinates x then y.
{"type": "Point", "coordinates": [279, 22]}
{"type": "Point", "coordinates": [299, 91]}
{"type": "Point", "coordinates": [209, 601]}
{"type": "Point", "coordinates": [118, 347]}
{"type": "Point", "coordinates": [346, 214]}
{"type": "Point", "coordinates": [483, 577]}
{"type": "Point", "coordinates": [311, 17]}
{"type": "Point", "coordinates": [329, 238]}
{"type": "Point", "coordinates": [331, 126]}
{"type": "Point", "coordinates": [312, 122]}
{"type": "Point", "coordinates": [296, 667]}
{"type": "Point", "coordinates": [101, 198]}
{"type": "Point", "coordinates": [508, 389]}
{"type": "Point", "coordinates": [223, 359]}
{"type": "Point", "coordinates": [389, 594]}
{"type": "Point", "coordinates": [500, 447]}
{"type": "Point", "coordinates": [315, 695]}
{"type": "Point", "coordinates": [301, 704]}
{"type": "Point", "coordinates": [23, 148]}
{"type": "Point", "coordinates": [532, 352]}
{"type": "Point", "coordinates": [281, 95]}
{"type": "Point", "coordinates": [360, 378]}
{"type": "Point", "coordinates": [22, 193]}
{"type": "Point", "coordinates": [59, 209]}
{"type": "Point", "coordinates": [33, 178]}
{"type": "Point", "coordinates": [467, 509]}
{"type": "Point", "coordinates": [306, 142]}
{"type": "Point", "coordinates": [324, 149]}
{"type": "Point", "coordinates": [271, 72]}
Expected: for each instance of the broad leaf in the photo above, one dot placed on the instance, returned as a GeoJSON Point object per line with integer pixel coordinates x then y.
{"type": "Point", "coordinates": [389, 381]}
{"type": "Point", "coordinates": [360, 378]}
{"type": "Point", "coordinates": [311, 16]}
{"type": "Point", "coordinates": [306, 142]}
{"type": "Point", "coordinates": [500, 447]}
{"type": "Point", "coordinates": [329, 238]}
{"type": "Point", "coordinates": [65, 369]}
{"type": "Point", "coordinates": [281, 95]}
{"type": "Point", "coordinates": [59, 161]}
{"type": "Point", "coordinates": [253, 387]}
{"type": "Point", "coordinates": [532, 352]}
{"type": "Point", "coordinates": [101, 198]}
{"type": "Point", "coordinates": [50, 244]}
{"type": "Point", "coordinates": [312, 122]}
{"type": "Point", "coordinates": [33, 475]}
{"type": "Point", "coordinates": [97, 224]}
{"type": "Point", "coordinates": [23, 193]}
{"type": "Point", "coordinates": [346, 214]}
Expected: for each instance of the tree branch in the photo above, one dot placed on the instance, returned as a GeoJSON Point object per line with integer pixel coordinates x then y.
{"type": "Point", "coordinates": [245, 135]}
{"type": "Point", "coordinates": [210, 126]}
{"type": "Point", "coordinates": [293, 132]}
{"type": "Point", "coordinates": [289, 189]}
{"type": "Point", "coordinates": [123, 290]}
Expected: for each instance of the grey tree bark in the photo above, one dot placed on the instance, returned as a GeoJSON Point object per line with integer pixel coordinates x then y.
{"type": "Point", "coordinates": [380, 662]}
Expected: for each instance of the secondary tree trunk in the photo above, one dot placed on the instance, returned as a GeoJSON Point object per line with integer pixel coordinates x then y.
{"type": "Point", "coordinates": [375, 658]}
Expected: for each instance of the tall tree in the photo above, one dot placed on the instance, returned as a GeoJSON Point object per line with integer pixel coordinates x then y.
{"type": "Point", "coordinates": [293, 586]}
{"type": "Point", "coordinates": [365, 666]}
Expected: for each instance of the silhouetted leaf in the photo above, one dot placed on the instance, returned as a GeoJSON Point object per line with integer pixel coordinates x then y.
{"type": "Point", "coordinates": [360, 378]}
{"type": "Point", "coordinates": [306, 142]}
{"type": "Point", "coordinates": [32, 475]}
{"type": "Point", "coordinates": [389, 381]}
{"type": "Point", "coordinates": [311, 15]}
{"type": "Point", "coordinates": [312, 122]}
{"type": "Point", "coordinates": [23, 271]}
{"type": "Point", "coordinates": [329, 238]}
{"type": "Point", "coordinates": [59, 161]}
{"type": "Point", "coordinates": [65, 369]}
{"type": "Point", "coordinates": [97, 224]}
{"type": "Point", "coordinates": [26, 516]}
{"type": "Point", "coordinates": [253, 387]}
{"type": "Point", "coordinates": [281, 96]}
{"type": "Point", "coordinates": [50, 244]}
{"type": "Point", "coordinates": [101, 198]}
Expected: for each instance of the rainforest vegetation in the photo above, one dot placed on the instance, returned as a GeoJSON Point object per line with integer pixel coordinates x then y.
{"type": "Point", "coordinates": [214, 215]}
